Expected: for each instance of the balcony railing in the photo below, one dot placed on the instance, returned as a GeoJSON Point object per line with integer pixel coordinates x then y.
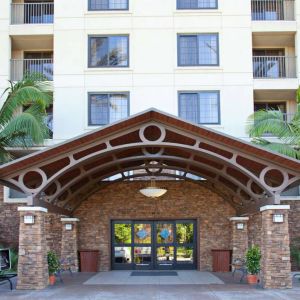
{"type": "Point", "coordinates": [32, 13]}
{"type": "Point", "coordinates": [21, 67]}
{"type": "Point", "coordinates": [273, 10]}
{"type": "Point", "coordinates": [274, 67]}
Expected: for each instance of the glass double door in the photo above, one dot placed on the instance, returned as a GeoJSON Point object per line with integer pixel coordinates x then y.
{"type": "Point", "coordinates": [138, 245]}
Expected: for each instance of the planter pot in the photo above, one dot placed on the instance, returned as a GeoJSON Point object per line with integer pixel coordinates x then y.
{"type": "Point", "coordinates": [52, 279]}
{"type": "Point", "coordinates": [252, 279]}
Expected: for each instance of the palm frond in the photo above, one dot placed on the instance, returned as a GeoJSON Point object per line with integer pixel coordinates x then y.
{"type": "Point", "coordinates": [26, 128]}
{"type": "Point", "coordinates": [268, 122]}
{"type": "Point", "coordinates": [24, 93]}
{"type": "Point", "coordinates": [282, 148]}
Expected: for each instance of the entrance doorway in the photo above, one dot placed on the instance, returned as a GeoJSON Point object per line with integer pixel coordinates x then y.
{"type": "Point", "coordinates": [148, 245]}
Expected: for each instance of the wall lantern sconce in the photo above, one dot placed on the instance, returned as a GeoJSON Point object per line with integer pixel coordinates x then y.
{"type": "Point", "coordinates": [28, 219]}
{"type": "Point", "coordinates": [240, 226]}
{"type": "Point", "coordinates": [68, 226]}
{"type": "Point", "coordinates": [278, 218]}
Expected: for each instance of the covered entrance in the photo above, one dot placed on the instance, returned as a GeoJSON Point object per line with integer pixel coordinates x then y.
{"type": "Point", "coordinates": [148, 245]}
{"type": "Point", "coordinates": [232, 188]}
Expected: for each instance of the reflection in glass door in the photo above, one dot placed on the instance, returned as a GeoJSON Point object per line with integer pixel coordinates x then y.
{"type": "Point", "coordinates": [164, 245]}
{"type": "Point", "coordinates": [142, 245]}
{"type": "Point", "coordinates": [153, 245]}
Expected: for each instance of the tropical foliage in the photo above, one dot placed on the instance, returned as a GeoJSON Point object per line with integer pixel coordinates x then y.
{"type": "Point", "coordinates": [123, 233]}
{"type": "Point", "coordinates": [53, 263]}
{"type": "Point", "coordinates": [277, 124]}
{"type": "Point", "coordinates": [13, 256]}
{"type": "Point", "coordinates": [295, 252]}
{"type": "Point", "coordinates": [22, 116]}
{"type": "Point", "coordinates": [253, 257]}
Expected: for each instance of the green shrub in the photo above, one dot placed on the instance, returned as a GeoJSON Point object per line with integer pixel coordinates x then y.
{"type": "Point", "coordinates": [13, 259]}
{"type": "Point", "coordinates": [295, 251]}
{"type": "Point", "coordinates": [53, 263]}
{"type": "Point", "coordinates": [253, 257]}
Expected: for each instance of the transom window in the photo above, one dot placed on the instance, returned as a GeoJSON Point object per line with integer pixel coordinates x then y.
{"type": "Point", "coordinates": [108, 4]}
{"type": "Point", "coordinates": [106, 108]}
{"type": "Point", "coordinates": [108, 51]}
{"type": "Point", "coordinates": [198, 49]}
{"type": "Point", "coordinates": [197, 4]}
{"type": "Point", "coordinates": [200, 107]}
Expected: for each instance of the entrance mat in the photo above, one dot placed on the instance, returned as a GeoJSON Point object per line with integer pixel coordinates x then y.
{"type": "Point", "coordinates": [154, 273]}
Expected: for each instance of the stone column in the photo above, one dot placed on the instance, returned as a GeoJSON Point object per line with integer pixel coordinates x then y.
{"type": "Point", "coordinates": [32, 265]}
{"type": "Point", "coordinates": [69, 244]}
{"type": "Point", "coordinates": [275, 248]}
{"type": "Point", "coordinates": [239, 237]}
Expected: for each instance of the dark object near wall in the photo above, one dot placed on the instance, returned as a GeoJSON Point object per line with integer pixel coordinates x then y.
{"type": "Point", "coordinates": [221, 260]}
{"type": "Point", "coordinates": [88, 260]}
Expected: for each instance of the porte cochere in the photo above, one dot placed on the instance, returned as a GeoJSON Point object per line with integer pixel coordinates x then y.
{"type": "Point", "coordinates": [214, 182]}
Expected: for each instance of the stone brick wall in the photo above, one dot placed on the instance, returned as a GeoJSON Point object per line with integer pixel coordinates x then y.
{"type": "Point", "coordinates": [239, 239]}
{"type": "Point", "coordinates": [294, 227]}
{"type": "Point", "coordinates": [32, 265]}
{"type": "Point", "coordinates": [254, 230]}
{"type": "Point", "coordinates": [184, 200]}
{"type": "Point", "coordinates": [53, 232]}
{"type": "Point", "coordinates": [69, 245]}
{"type": "Point", "coordinates": [275, 251]}
{"type": "Point", "coordinates": [9, 223]}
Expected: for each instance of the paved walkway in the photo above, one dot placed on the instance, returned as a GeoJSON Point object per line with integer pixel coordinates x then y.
{"type": "Point", "coordinates": [74, 288]}
{"type": "Point", "coordinates": [180, 278]}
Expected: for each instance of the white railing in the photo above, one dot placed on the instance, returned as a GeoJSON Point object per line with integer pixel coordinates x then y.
{"type": "Point", "coordinates": [274, 67]}
{"type": "Point", "coordinates": [41, 67]}
{"type": "Point", "coordinates": [273, 10]}
{"type": "Point", "coordinates": [32, 13]}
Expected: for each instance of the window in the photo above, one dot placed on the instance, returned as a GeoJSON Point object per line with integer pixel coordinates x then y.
{"type": "Point", "coordinates": [108, 51]}
{"type": "Point", "coordinates": [277, 106]}
{"type": "Point", "coordinates": [294, 192]}
{"type": "Point", "coordinates": [16, 194]}
{"type": "Point", "coordinates": [13, 196]}
{"type": "Point", "coordinates": [197, 4]}
{"type": "Point", "coordinates": [200, 107]}
{"type": "Point", "coordinates": [108, 108]}
{"type": "Point", "coordinates": [198, 49]}
{"type": "Point", "coordinates": [270, 106]}
{"type": "Point", "coordinates": [108, 5]}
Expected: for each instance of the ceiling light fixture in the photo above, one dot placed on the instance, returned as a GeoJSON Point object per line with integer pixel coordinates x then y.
{"type": "Point", "coordinates": [153, 191]}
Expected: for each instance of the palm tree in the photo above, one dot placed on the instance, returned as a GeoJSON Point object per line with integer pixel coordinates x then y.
{"type": "Point", "coordinates": [275, 123]}
{"type": "Point", "coordinates": [22, 116]}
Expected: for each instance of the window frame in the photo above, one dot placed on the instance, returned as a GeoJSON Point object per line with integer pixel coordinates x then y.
{"type": "Point", "coordinates": [198, 8]}
{"type": "Point", "coordinates": [107, 36]}
{"type": "Point", "coordinates": [198, 110]}
{"type": "Point", "coordinates": [197, 35]}
{"type": "Point", "coordinates": [108, 9]}
{"type": "Point", "coordinates": [108, 94]}
{"type": "Point", "coordinates": [8, 199]}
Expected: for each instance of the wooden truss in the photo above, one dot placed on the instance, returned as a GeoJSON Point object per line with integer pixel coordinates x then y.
{"type": "Point", "coordinates": [151, 144]}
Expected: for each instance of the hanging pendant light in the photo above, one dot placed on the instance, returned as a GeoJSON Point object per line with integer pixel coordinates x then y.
{"type": "Point", "coordinates": [153, 191]}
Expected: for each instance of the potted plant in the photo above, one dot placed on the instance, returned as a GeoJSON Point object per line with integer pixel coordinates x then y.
{"type": "Point", "coordinates": [253, 257]}
{"type": "Point", "coordinates": [53, 266]}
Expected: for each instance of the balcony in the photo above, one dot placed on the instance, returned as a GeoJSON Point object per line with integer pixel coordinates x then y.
{"type": "Point", "coordinates": [21, 67]}
{"type": "Point", "coordinates": [273, 10]}
{"type": "Point", "coordinates": [32, 13]}
{"type": "Point", "coordinates": [274, 67]}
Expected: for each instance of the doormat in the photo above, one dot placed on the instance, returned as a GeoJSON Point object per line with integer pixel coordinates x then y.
{"type": "Point", "coordinates": [155, 273]}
